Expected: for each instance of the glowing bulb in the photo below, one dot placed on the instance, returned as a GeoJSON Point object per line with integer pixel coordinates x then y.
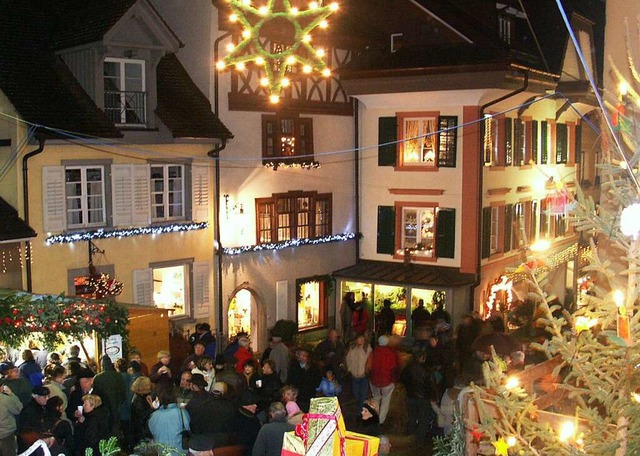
{"type": "Point", "coordinates": [285, 82]}
{"type": "Point", "coordinates": [623, 88]}
{"type": "Point", "coordinates": [306, 38]}
{"type": "Point", "coordinates": [512, 383]}
{"type": "Point", "coordinates": [274, 99]}
{"type": "Point", "coordinates": [540, 245]}
{"type": "Point", "coordinates": [233, 17]}
{"type": "Point", "coordinates": [246, 33]}
{"type": "Point", "coordinates": [334, 6]}
{"type": "Point", "coordinates": [230, 47]}
{"type": "Point", "coordinates": [264, 82]}
{"type": "Point", "coordinates": [623, 164]}
{"type": "Point", "coordinates": [290, 60]}
{"type": "Point", "coordinates": [220, 65]}
{"type": "Point", "coordinates": [259, 61]}
{"type": "Point", "coordinates": [511, 440]}
{"type": "Point", "coordinates": [618, 297]}
{"type": "Point", "coordinates": [313, 5]}
{"type": "Point", "coordinates": [567, 431]}
{"type": "Point", "coordinates": [263, 10]}
{"type": "Point", "coordinates": [307, 69]}
{"type": "Point", "coordinates": [326, 72]}
{"type": "Point", "coordinates": [294, 11]}
{"type": "Point", "coordinates": [635, 397]}
{"type": "Point", "coordinates": [323, 24]}
{"type": "Point", "coordinates": [240, 66]}
{"type": "Point", "coordinates": [320, 52]}
{"type": "Point", "coordinates": [246, 2]}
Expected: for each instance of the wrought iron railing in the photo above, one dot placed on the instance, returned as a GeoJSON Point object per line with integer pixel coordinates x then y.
{"type": "Point", "coordinates": [125, 107]}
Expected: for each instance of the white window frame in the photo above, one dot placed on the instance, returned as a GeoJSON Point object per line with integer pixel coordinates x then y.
{"type": "Point", "coordinates": [423, 138]}
{"type": "Point", "coordinates": [84, 198]}
{"type": "Point", "coordinates": [166, 192]}
{"type": "Point", "coordinates": [123, 84]}
{"type": "Point", "coordinates": [428, 250]}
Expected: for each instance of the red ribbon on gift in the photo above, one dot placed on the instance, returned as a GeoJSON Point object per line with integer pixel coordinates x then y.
{"type": "Point", "coordinates": [302, 429]}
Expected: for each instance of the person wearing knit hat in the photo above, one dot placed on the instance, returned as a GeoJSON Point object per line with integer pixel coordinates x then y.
{"type": "Point", "coordinates": [219, 389]}
{"type": "Point", "coordinates": [246, 425]}
{"type": "Point", "coordinates": [383, 364]}
{"type": "Point", "coordinates": [371, 417]}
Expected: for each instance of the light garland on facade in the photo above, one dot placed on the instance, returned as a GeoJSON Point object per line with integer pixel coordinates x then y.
{"type": "Point", "coordinates": [297, 24]}
{"type": "Point", "coordinates": [290, 243]}
{"type": "Point", "coordinates": [302, 165]}
{"type": "Point", "coordinates": [127, 232]}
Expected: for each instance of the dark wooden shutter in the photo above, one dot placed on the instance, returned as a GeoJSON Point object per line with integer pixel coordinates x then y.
{"type": "Point", "coordinates": [447, 139]}
{"type": "Point", "coordinates": [578, 142]}
{"type": "Point", "coordinates": [508, 226]}
{"type": "Point", "coordinates": [445, 233]}
{"type": "Point", "coordinates": [387, 137]}
{"type": "Point", "coordinates": [534, 141]}
{"type": "Point", "coordinates": [508, 141]}
{"type": "Point", "coordinates": [486, 232]}
{"type": "Point", "coordinates": [561, 143]}
{"type": "Point", "coordinates": [386, 229]}
{"type": "Point", "coordinates": [544, 143]}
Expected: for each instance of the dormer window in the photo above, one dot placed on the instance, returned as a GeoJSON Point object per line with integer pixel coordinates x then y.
{"type": "Point", "coordinates": [125, 91]}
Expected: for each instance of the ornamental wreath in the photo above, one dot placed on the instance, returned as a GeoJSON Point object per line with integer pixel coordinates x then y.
{"type": "Point", "coordinates": [48, 318]}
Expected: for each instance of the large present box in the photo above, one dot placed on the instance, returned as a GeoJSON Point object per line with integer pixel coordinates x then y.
{"type": "Point", "coordinates": [321, 433]}
{"type": "Point", "coordinates": [361, 445]}
{"type": "Point", "coordinates": [292, 445]}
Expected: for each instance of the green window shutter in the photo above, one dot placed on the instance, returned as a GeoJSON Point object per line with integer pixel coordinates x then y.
{"type": "Point", "coordinates": [534, 141]}
{"type": "Point", "coordinates": [486, 232]}
{"type": "Point", "coordinates": [508, 226]}
{"type": "Point", "coordinates": [445, 233]}
{"type": "Point", "coordinates": [578, 142]}
{"type": "Point", "coordinates": [447, 140]}
{"type": "Point", "coordinates": [387, 140]}
{"type": "Point", "coordinates": [386, 230]}
{"type": "Point", "coordinates": [561, 143]}
{"type": "Point", "coordinates": [508, 141]}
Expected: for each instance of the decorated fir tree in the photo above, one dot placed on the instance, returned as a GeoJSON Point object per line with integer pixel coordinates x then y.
{"type": "Point", "coordinates": [592, 404]}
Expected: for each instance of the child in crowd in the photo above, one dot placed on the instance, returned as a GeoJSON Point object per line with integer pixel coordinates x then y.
{"type": "Point", "coordinates": [289, 397]}
{"type": "Point", "coordinates": [329, 385]}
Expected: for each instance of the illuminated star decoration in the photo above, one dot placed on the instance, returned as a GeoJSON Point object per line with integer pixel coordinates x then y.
{"type": "Point", "coordinates": [502, 447]}
{"type": "Point", "coordinates": [293, 25]}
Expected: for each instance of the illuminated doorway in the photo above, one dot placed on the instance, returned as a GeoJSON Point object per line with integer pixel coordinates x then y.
{"type": "Point", "coordinates": [246, 314]}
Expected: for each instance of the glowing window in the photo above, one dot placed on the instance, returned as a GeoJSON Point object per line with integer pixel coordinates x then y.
{"type": "Point", "coordinates": [170, 289]}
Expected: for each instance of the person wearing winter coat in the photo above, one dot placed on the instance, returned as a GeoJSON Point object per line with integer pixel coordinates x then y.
{"type": "Point", "coordinates": [10, 408]}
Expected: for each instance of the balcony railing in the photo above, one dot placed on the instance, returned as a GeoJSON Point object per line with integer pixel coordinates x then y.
{"type": "Point", "coordinates": [125, 107]}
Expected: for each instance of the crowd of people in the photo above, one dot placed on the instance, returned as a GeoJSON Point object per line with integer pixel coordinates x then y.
{"type": "Point", "coordinates": [211, 400]}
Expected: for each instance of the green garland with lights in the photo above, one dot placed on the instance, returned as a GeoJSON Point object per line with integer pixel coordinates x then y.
{"type": "Point", "coordinates": [50, 318]}
{"type": "Point", "coordinates": [280, 15]}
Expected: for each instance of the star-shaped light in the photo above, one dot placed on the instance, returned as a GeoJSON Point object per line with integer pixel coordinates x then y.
{"type": "Point", "coordinates": [502, 447]}
{"type": "Point", "coordinates": [293, 26]}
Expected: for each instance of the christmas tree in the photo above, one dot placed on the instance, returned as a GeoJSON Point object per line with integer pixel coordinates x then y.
{"type": "Point", "coordinates": [592, 405]}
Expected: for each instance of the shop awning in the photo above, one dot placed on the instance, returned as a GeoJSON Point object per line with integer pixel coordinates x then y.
{"type": "Point", "coordinates": [13, 228]}
{"type": "Point", "coordinates": [405, 274]}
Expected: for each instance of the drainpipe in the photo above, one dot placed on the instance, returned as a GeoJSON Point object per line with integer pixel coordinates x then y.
{"type": "Point", "coordinates": [356, 159]}
{"type": "Point", "coordinates": [215, 154]}
{"type": "Point", "coordinates": [25, 195]}
{"type": "Point", "coordinates": [525, 85]}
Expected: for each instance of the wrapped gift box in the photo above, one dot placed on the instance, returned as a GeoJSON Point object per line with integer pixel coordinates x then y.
{"type": "Point", "coordinates": [325, 427]}
{"type": "Point", "coordinates": [292, 445]}
{"type": "Point", "coordinates": [361, 445]}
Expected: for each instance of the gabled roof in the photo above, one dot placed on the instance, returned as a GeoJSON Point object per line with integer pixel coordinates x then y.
{"type": "Point", "coordinates": [392, 273]}
{"type": "Point", "coordinates": [37, 82]}
{"type": "Point", "coordinates": [45, 92]}
{"type": "Point", "coordinates": [182, 107]}
{"type": "Point", "coordinates": [13, 228]}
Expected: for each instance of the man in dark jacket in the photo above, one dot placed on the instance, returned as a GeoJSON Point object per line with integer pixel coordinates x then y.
{"type": "Point", "coordinates": [213, 416]}
{"type": "Point", "coordinates": [31, 419]}
{"type": "Point", "coordinates": [269, 440]}
{"type": "Point", "coordinates": [113, 384]}
{"type": "Point", "coordinates": [330, 352]}
{"type": "Point", "coordinates": [421, 391]}
{"type": "Point", "coordinates": [268, 387]}
{"type": "Point", "coordinates": [246, 426]}
{"type": "Point", "coordinates": [306, 377]}
{"type": "Point", "coordinates": [84, 385]}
